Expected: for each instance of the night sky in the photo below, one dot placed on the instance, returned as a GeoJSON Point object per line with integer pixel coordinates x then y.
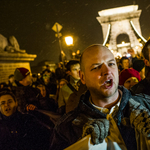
{"type": "Point", "coordinates": [30, 21]}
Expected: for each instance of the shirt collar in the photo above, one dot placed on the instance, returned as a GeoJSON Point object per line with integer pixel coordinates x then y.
{"type": "Point", "coordinates": [106, 110]}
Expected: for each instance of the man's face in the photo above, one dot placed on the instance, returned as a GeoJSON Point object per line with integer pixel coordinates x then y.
{"type": "Point", "coordinates": [46, 77]}
{"type": "Point", "coordinates": [74, 71]}
{"type": "Point", "coordinates": [130, 82]}
{"type": "Point", "coordinates": [26, 81]}
{"type": "Point", "coordinates": [125, 64]}
{"type": "Point", "coordinates": [7, 105]}
{"type": "Point", "coordinates": [100, 72]}
{"type": "Point", "coordinates": [12, 79]}
{"type": "Point", "coordinates": [42, 89]}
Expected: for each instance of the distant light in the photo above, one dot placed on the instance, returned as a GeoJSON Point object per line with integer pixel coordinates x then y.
{"type": "Point", "coordinates": [128, 55]}
{"type": "Point", "coordinates": [78, 52]}
{"type": "Point", "coordinates": [136, 47]}
{"type": "Point", "coordinates": [73, 53]}
{"type": "Point", "coordinates": [123, 42]}
{"type": "Point", "coordinates": [69, 40]}
{"type": "Point", "coordinates": [118, 54]}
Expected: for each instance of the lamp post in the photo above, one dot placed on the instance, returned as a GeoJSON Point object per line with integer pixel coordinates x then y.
{"type": "Point", "coordinates": [69, 42]}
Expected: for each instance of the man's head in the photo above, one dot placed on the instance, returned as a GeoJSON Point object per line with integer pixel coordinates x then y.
{"type": "Point", "coordinates": [46, 74]}
{"type": "Point", "coordinates": [11, 78]}
{"type": "Point", "coordinates": [22, 75]}
{"type": "Point", "coordinates": [124, 62]}
{"type": "Point", "coordinates": [99, 71]}
{"type": "Point", "coordinates": [34, 77]}
{"type": "Point", "coordinates": [129, 77]}
{"type": "Point", "coordinates": [139, 65]}
{"type": "Point", "coordinates": [146, 53]}
{"type": "Point", "coordinates": [8, 103]}
{"type": "Point", "coordinates": [42, 88]}
{"type": "Point", "coordinates": [73, 67]}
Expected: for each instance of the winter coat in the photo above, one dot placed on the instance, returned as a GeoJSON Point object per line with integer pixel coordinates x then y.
{"type": "Point", "coordinates": [22, 132]}
{"type": "Point", "coordinates": [69, 128]}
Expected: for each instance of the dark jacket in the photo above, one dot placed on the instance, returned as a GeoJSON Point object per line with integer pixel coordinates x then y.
{"type": "Point", "coordinates": [27, 95]}
{"type": "Point", "coordinates": [141, 87]}
{"type": "Point", "coordinates": [69, 128]}
{"type": "Point", "coordinates": [22, 132]}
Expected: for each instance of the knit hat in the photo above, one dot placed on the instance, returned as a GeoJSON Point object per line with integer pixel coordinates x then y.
{"type": "Point", "coordinates": [138, 65]}
{"type": "Point", "coordinates": [21, 73]}
{"type": "Point", "coordinates": [128, 73]}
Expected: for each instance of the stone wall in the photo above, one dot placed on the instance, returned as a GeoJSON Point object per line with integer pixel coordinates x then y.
{"type": "Point", "coordinates": [10, 61]}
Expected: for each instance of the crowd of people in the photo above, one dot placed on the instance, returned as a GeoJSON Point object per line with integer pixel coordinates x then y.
{"type": "Point", "coordinates": [99, 95]}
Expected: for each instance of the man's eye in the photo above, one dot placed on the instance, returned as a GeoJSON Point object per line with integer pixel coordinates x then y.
{"type": "Point", "coordinates": [9, 102]}
{"type": "Point", "coordinates": [111, 64]}
{"type": "Point", "coordinates": [95, 68]}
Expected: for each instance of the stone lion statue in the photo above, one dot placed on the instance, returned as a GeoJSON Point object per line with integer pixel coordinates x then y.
{"type": "Point", "coordinates": [10, 45]}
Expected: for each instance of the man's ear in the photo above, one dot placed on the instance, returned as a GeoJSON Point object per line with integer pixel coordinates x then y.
{"type": "Point", "coordinates": [146, 62]}
{"type": "Point", "coordinates": [82, 76]}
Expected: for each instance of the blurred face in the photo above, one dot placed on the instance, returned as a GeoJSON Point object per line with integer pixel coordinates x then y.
{"type": "Point", "coordinates": [46, 77]}
{"type": "Point", "coordinates": [34, 79]}
{"type": "Point", "coordinates": [62, 83]}
{"type": "Point", "coordinates": [42, 89]}
{"type": "Point", "coordinates": [75, 71]}
{"type": "Point", "coordinates": [125, 64]}
{"type": "Point", "coordinates": [7, 105]}
{"type": "Point", "coordinates": [12, 79]}
{"type": "Point", "coordinates": [130, 82]}
{"type": "Point", "coordinates": [26, 81]}
{"type": "Point", "coordinates": [142, 73]}
{"type": "Point", "coordinates": [100, 72]}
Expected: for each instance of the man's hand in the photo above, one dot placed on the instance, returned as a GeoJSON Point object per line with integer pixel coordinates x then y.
{"type": "Point", "coordinates": [98, 128]}
{"type": "Point", "coordinates": [30, 107]}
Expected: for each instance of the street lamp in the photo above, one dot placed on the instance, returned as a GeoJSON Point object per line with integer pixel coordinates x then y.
{"type": "Point", "coordinates": [69, 40]}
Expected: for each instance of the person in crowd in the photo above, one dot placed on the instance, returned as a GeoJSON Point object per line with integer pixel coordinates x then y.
{"type": "Point", "coordinates": [144, 85]}
{"type": "Point", "coordinates": [34, 80]}
{"type": "Point", "coordinates": [61, 83]}
{"type": "Point", "coordinates": [73, 68]}
{"type": "Point", "coordinates": [3, 85]}
{"type": "Point", "coordinates": [59, 72]}
{"type": "Point", "coordinates": [46, 103]}
{"type": "Point", "coordinates": [124, 63]}
{"type": "Point", "coordinates": [129, 77]}
{"type": "Point", "coordinates": [28, 97]}
{"type": "Point", "coordinates": [139, 65]}
{"type": "Point", "coordinates": [105, 110]}
{"type": "Point", "coordinates": [11, 81]}
{"type": "Point", "coordinates": [133, 57]}
{"type": "Point", "coordinates": [48, 67]}
{"type": "Point", "coordinates": [49, 81]}
{"type": "Point", "coordinates": [74, 98]}
{"type": "Point", "coordinates": [20, 131]}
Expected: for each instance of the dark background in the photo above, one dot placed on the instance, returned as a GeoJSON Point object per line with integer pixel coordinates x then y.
{"type": "Point", "coordinates": [30, 21]}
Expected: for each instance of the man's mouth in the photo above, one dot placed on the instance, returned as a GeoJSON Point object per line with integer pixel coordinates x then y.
{"type": "Point", "coordinates": [7, 109]}
{"type": "Point", "coordinates": [108, 83]}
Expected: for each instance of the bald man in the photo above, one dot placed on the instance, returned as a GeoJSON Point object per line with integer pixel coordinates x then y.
{"type": "Point", "coordinates": [106, 112]}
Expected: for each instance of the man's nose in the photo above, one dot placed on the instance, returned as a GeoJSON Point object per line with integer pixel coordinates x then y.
{"type": "Point", "coordinates": [6, 104]}
{"type": "Point", "coordinates": [105, 70]}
